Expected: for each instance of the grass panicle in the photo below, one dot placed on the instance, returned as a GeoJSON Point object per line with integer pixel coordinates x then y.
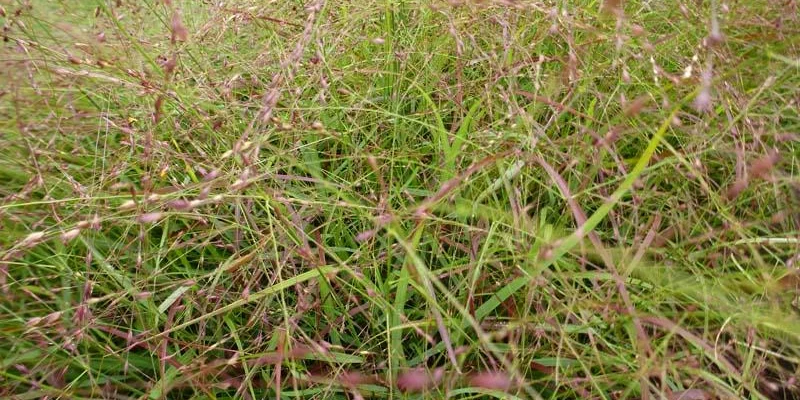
{"type": "Point", "coordinates": [385, 199]}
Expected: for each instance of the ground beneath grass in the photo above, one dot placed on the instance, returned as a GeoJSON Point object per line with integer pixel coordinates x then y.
{"type": "Point", "coordinates": [400, 199]}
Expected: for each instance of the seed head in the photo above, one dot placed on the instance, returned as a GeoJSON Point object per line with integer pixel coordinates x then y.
{"type": "Point", "coordinates": [69, 235]}
{"type": "Point", "coordinates": [702, 103]}
{"type": "Point", "coordinates": [491, 380]}
{"type": "Point", "coordinates": [32, 239]}
{"type": "Point", "coordinates": [416, 380]}
{"type": "Point", "coordinates": [150, 218]}
{"type": "Point", "coordinates": [179, 32]}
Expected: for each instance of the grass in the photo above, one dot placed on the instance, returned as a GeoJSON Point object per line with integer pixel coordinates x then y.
{"type": "Point", "coordinates": [384, 199]}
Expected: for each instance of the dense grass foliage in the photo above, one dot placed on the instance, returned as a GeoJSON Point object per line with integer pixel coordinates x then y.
{"type": "Point", "coordinates": [400, 199]}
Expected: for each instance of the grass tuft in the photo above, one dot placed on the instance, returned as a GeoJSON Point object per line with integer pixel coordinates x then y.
{"type": "Point", "coordinates": [383, 199]}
